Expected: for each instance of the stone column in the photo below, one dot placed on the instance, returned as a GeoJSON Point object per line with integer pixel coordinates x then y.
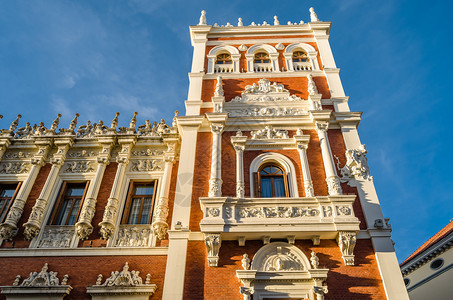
{"type": "Point", "coordinates": [9, 229]}
{"type": "Point", "coordinates": [83, 225]}
{"type": "Point", "coordinates": [33, 225]}
{"type": "Point", "coordinates": [111, 209]}
{"type": "Point", "coordinates": [160, 225]}
{"type": "Point", "coordinates": [333, 182]}
{"type": "Point", "coordinates": [238, 142]}
{"type": "Point", "coordinates": [308, 184]}
{"type": "Point", "coordinates": [215, 182]}
{"type": "Point", "coordinates": [320, 292]}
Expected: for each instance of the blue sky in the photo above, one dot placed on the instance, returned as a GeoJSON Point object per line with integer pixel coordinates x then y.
{"type": "Point", "coordinates": [98, 57]}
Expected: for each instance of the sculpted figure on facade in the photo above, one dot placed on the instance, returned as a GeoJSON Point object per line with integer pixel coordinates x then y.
{"type": "Point", "coordinates": [356, 165]}
{"type": "Point", "coordinates": [213, 242]}
{"type": "Point", "coordinates": [245, 262]}
{"type": "Point", "coordinates": [313, 15]}
{"type": "Point", "coordinates": [314, 260]}
{"type": "Point", "coordinates": [86, 131]}
{"type": "Point", "coordinates": [43, 278]}
{"type": "Point", "coordinates": [202, 18]}
{"type": "Point", "coordinates": [24, 132]}
{"type": "Point", "coordinates": [346, 241]}
{"type": "Point", "coordinates": [269, 133]}
{"type": "Point", "coordinates": [219, 87]}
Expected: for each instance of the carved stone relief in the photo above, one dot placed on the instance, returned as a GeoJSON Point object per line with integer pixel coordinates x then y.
{"type": "Point", "coordinates": [145, 165]}
{"type": "Point", "coordinates": [346, 241]}
{"type": "Point", "coordinates": [269, 133]}
{"type": "Point", "coordinates": [133, 236]}
{"type": "Point", "coordinates": [147, 152]}
{"type": "Point", "coordinates": [257, 111]}
{"type": "Point", "coordinates": [19, 155]}
{"type": "Point", "coordinates": [44, 278]}
{"type": "Point", "coordinates": [264, 91]}
{"type": "Point", "coordinates": [57, 237]}
{"type": "Point", "coordinates": [277, 212]}
{"type": "Point", "coordinates": [356, 165]}
{"type": "Point", "coordinates": [14, 168]}
{"type": "Point", "coordinates": [79, 167]}
{"type": "Point", "coordinates": [282, 260]}
{"type": "Point", "coordinates": [82, 154]}
{"type": "Point", "coordinates": [213, 242]}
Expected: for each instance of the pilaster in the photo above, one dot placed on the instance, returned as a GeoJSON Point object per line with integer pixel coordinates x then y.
{"type": "Point", "coordinates": [238, 142]}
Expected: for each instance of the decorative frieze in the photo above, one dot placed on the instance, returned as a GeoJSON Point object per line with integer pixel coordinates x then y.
{"type": "Point", "coordinates": [79, 167]}
{"type": "Point", "coordinates": [346, 241]}
{"type": "Point", "coordinates": [269, 133]}
{"type": "Point", "coordinates": [57, 237]}
{"type": "Point", "coordinates": [82, 154]}
{"type": "Point", "coordinates": [14, 168]}
{"type": "Point", "coordinates": [18, 155]}
{"type": "Point", "coordinates": [147, 152]}
{"type": "Point", "coordinates": [277, 212]}
{"type": "Point", "coordinates": [133, 236]}
{"type": "Point", "coordinates": [260, 111]}
{"type": "Point", "coordinates": [145, 165]}
{"type": "Point", "coordinates": [264, 91]}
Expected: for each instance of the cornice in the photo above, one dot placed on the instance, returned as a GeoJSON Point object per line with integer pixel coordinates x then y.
{"type": "Point", "coordinates": [33, 252]}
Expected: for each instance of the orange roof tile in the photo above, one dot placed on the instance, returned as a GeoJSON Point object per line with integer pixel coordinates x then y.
{"type": "Point", "coordinates": [434, 239]}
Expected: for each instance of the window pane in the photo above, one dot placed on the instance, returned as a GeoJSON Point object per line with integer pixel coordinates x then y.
{"type": "Point", "coordinates": [73, 213]}
{"type": "Point", "coordinates": [144, 189]}
{"type": "Point", "coordinates": [266, 189]}
{"type": "Point", "coordinates": [7, 192]}
{"type": "Point", "coordinates": [135, 211]}
{"type": "Point", "coordinates": [146, 211]}
{"type": "Point", "coordinates": [3, 208]}
{"type": "Point", "coordinates": [64, 212]}
{"type": "Point", "coordinates": [279, 187]}
{"type": "Point", "coordinates": [75, 191]}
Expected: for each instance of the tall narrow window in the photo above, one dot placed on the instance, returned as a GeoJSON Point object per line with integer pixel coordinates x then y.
{"type": "Point", "coordinates": [140, 202]}
{"type": "Point", "coordinates": [7, 195]}
{"type": "Point", "coordinates": [271, 181]}
{"type": "Point", "coordinates": [67, 208]}
{"type": "Point", "coordinates": [262, 57]}
{"type": "Point", "coordinates": [300, 56]}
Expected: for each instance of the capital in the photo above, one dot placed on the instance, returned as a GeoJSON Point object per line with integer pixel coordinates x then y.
{"type": "Point", "coordinates": [217, 128]}
{"type": "Point", "coordinates": [322, 126]}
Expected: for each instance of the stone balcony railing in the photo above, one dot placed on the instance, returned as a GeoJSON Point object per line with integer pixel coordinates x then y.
{"type": "Point", "coordinates": [134, 236]}
{"type": "Point", "coordinates": [225, 68]}
{"type": "Point", "coordinates": [302, 66]}
{"type": "Point", "coordinates": [262, 67]}
{"type": "Point", "coordinates": [302, 218]}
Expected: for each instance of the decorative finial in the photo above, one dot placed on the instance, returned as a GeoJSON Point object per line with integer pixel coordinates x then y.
{"type": "Point", "coordinates": [16, 281]}
{"type": "Point", "coordinates": [265, 23]}
{"type": "Point", "coordinates": [115, 121]}
{"type": "Point", "coordinates": [55, 123]}
{"type": "Point", "coordinates": [133, 120]}
{"type": "Point", "coordinates": [228, 24]}
{"type": "Point", "coordinates": [173, 123]}
{"type": "Point", "coordinates": [276, 22]}
{"type": "Point", "coordinates": [240, 22]}
{"type": "Point", "coordinates": [245, 262]}
{"type": "Point", "coordinates": [15, 123]}
{"type": "Point", "coordinates": [148, 279]}
{"type": "Point", "coordinates": [219, 87]}
{"type": "Point", "coordinates": [99, 280]}
{"type": "Point", "coordinates": [313, 15]}
{"type": "Point", "coordinates": [202, 18]}
{"type": "Point", "coordinates": [239, 132]}
{"type": "Point", "coordinates": [312, 90]}
{"type": "Point", "coordinates": [73, 123]}
{"type": "Point", "coordinates": [65, 279]}
{"type": "Point", "coordinates": [253, 24]}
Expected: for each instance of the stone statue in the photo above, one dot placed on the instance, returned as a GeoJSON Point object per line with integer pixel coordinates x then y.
{"type": "Point", "coordinates": [245, 262]}
{"type": "Point", "coordinates": [313, 15]}
{"type": "Point", "coordinates": [202, 18]}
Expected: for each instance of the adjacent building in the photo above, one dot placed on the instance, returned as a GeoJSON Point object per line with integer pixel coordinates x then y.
{"type": "Point", "coordinates": [261, 190]}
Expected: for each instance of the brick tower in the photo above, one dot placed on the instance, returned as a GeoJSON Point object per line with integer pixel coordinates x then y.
{"type": "Point", "coordinates": [274, 196]}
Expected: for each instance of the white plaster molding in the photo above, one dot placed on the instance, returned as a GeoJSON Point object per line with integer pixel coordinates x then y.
{"type": "Point", "coordinates": [273, 66]}
{"type": "Point", "coordinates": [235, 55]}
{"type": "Point", "coordinates": [346, 242]}
{"type": "Point", "coordinates": [87, 251]}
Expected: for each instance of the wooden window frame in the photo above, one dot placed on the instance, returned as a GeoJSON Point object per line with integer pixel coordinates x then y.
{"type": "Point", "coordinates": [223, 61]}
{"type": "Point", "coordinates": [262, 59]}
{"type": "Point", "coordinates": [130, 195]}
{"type": "Point", "coordinates": [18, 185]}
{"type": "Point", "coordinates": [299, 59]}
{"type": "Point", "coordinates": [257, 179]}
{"type": "Point", "coordinates": [60, 200]}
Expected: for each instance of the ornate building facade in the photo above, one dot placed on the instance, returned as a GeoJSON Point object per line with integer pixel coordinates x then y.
{"type": "Point", "coordinates": [260, 191]}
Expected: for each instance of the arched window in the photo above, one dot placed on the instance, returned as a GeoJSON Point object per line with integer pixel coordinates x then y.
{"type": "Point", "coordinates": [300, 56]}
{"type": "Point", "coordinates": [223, 58]}
{"type": "Point", "coordinates": [262, 57]}
{"type": "Point", "coordinates": [271, 181]}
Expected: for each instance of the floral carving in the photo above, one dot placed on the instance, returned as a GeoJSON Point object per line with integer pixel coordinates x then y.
{"type": "Point", "coordinates": [213, 212]}
{"type": "Point", "coordinates": [83, 153]}
{"type": "Point", "coordinates": [215, 187]}
{"type": "Point", "coordinates": [343, 211]}
{"type": "Point", "coordinates": [147, 152]}
{"type": "Point", "coordinates": [356, 165]}
{"type": "Point", "coordinates": [18, 155]}
{"type": "Point", "coordinates": [266, 111]}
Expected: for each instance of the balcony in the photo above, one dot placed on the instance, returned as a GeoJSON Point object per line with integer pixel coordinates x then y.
{"type": "Point", "coordinates": [257, 218]}
{"type": "Point", "coordinates": [223, 68]}
{"type": "Point", "coordinates": [302, 66]}
{"type": "Point", "coordinates": [262, 67]}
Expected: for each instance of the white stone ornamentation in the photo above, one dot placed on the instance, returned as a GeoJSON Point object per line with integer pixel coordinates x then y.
{"type": "Point", "coordinates": [356, 165]}
{"type": "Point", "coordinates": [313, 15]}
{"type": "Point", "coordinates": [282, 260]}
{"type": "Point", "coordinates": [213, 242]}
{"type": "Point", "coordinates": [57, 237]}
{"type": "Point", "coordinates": [245, 262]}
{"type": "Point", "coordinates": [44, 278]}
{"type": "Point", "coordinates": [79, 167]}
{"type": "Point", "coordinates": [133, 236]}
{"type": "Point", "coordinates": [259, 111]}
{"type": "Point", "coordinates": [269, 133]}
{"type": "Point", "coordinates": [314, 260]}
{"type": "Point", "coordinates": [312, 90]}
{"type": "Point", "coordinates": [215, 187]}
{"type": "Point", "coordinates": [219, 87]}
{"type": "Point", "coordinates": [14, 168]}
{"type": "Point", "coordinates": [202, 18]}
{"type": "Point", "coordinates": [346, 241]}
{"type": "Point", "coordinates": [277, 212]}
{"type": "Point", "coordinates": [145, 165]}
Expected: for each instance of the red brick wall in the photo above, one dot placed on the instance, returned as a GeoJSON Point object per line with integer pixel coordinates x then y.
{"type": "Point", "coordinates": [200, 177]}
{"type": "Point", "coordinates": [18, 240]}
{"type": "Point", "coordinates": [295, 85]}
{"type": "Point", "coordinates": [83, 271]}
{"type": "Point", "coordinates": [361, 281]}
